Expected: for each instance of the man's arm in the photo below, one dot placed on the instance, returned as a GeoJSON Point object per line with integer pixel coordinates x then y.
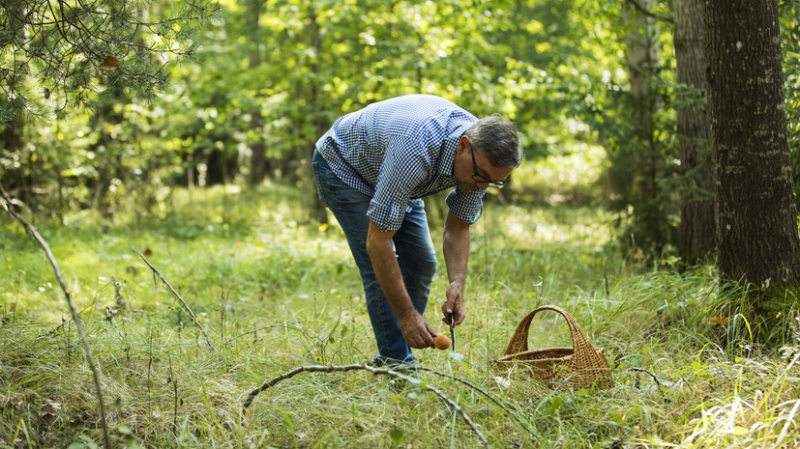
{"type": "Point", "coordinates": [456, 254]}
{"type": "Point", "coordinates": [415, 328]}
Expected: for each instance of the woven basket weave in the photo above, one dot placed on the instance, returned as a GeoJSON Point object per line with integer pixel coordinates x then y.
{"type": "Point", "coordinates": [582, 366]}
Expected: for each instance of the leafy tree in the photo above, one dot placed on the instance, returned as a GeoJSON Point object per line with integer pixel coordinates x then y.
{"type": "Point", "coordinates": [644, 153]}
{"type": "Point", "coordinates": [790, 32]}
{"type": "Point", "coordinates": [631, 112]}
{"type": "Point", "coordinates": [63, 56]}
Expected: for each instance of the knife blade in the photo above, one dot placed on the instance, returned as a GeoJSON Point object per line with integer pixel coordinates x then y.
{"type": "Point", "coordinates": [452, 332]}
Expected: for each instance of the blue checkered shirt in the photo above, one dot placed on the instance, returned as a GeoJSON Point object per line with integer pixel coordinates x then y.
{"type": "Point", "coordinates": [399, 150]}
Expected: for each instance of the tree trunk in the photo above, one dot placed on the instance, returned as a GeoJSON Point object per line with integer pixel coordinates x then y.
{"type": "Point", "coordinates": [697, 229]}
{"type": "Point", "coordinates": [11, 132]}
{"type": "Point", "coordinates": [13, 146]}
{"type": "Point", "coordinates": [318, 210]}
{"type": "Point", "coordinates": [257, 148]}
{"type": "Point", "coordinates": [757, 218]}
{"type": "Point", "coordinates": [106, 151]}
{"type": "Point", "coordinates": [642, 42]}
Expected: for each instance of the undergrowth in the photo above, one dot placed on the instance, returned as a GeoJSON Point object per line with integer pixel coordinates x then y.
{"type": "Point", "coordinates": [276, 292]}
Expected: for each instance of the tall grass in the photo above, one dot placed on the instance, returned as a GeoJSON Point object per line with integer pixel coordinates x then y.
{"type": "Point", "coordinates": [277, 292]}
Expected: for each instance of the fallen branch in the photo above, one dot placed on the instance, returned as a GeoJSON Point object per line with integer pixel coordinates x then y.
{"type": "Point", "coordinates": [72, 309]}
{"type": "Point", "coordinates": [376, 371]}
{"type": "Point", "coordinates": [481, 391]}
{"type": "Point", "coordinates": [185, 306]}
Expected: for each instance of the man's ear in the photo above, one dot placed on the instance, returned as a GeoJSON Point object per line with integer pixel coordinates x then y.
{"type": "Point", "coordinates": [463, 145]}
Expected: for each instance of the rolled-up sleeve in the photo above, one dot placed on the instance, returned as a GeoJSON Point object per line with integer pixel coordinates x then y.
{"type": "Point", "coordinates": [403, 168]}
{"type": "Point", "coordinates": [466, 206]}
{"type": "Point", "coordinates": [388, 217]}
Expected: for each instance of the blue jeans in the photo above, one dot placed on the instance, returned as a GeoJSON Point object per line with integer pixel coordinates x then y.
{"type": "Point", "coordinates": [413, 249]}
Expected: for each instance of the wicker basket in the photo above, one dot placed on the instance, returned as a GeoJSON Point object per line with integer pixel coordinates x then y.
{"type": "Point", "coordinates": [582, 366]}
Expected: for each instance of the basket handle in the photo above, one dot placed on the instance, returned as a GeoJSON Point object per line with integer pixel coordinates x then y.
{"type": "Point", "coordinates": [580, 342]}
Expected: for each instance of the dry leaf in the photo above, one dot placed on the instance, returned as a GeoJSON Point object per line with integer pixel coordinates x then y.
{"type": "Point", "coordinates": [108, 64]}
{"type": "Point", "coordinates": [49, 409]}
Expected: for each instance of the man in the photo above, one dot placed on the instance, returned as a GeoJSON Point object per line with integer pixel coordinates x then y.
{"type": "Point", "coordinates": [372, 167]}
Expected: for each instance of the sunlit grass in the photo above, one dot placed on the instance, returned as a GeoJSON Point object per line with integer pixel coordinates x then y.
{"type": "Point", "coordinates": [575, 177]}
{"type": "Point", "coordinates": [276, 291]}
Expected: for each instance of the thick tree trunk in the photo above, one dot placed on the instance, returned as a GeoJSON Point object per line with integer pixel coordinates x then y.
{"type": "Point", "coordinates": [697, 229]}
{"type": "Point", "coordinates": [757, 218]}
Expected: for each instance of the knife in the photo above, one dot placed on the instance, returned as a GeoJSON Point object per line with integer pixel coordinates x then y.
{"type": "Point", "coordinates": [452, 332]}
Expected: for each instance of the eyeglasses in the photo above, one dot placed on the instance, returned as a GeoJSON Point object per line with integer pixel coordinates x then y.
{"type": "Point", "coordinates": [477, 177]}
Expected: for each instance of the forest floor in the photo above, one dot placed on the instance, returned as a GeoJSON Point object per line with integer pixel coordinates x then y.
{"type": "Point", "coordinates": [273, 292]}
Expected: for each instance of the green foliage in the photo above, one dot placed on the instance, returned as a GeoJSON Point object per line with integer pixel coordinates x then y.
{"type": "Point", "coordinates": [72, 137]}
{"type": "Point", "coordinates": [278, 74]}
{"type": "Point", "coordinates": [790, 34]}
{"type": "Point", "coordinates": [54, 55]}
{"type": "Point", "coordinates": [274, 75]}
{"type": "Point", "coordinates": [631, 113]}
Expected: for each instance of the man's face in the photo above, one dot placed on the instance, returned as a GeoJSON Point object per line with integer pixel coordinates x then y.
{"type": "Point", "coordinates": [474, 171]}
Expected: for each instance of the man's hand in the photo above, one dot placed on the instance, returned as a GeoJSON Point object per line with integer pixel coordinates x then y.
{"type": "Point", "coordinates": [456, 252]}
{"type": "Point", "coordinates": [454, 305]}
{"type": "Point", "coordinates": [417, 331]}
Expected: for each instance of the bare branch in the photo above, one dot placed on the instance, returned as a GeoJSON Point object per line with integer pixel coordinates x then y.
{"type": "Point", "coordinates": [185, 306]}
{"type": "Point", "coordinates": [73, 310]}
{"type": "Point", "coordinates": [376, 371]}
{"type": "Point", "coordinates": [644, 11]}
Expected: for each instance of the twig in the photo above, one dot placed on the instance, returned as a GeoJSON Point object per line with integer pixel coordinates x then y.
{"type": "Point", "coordinates": [478, 389]}
{"type": "Point", "coordinates": [73, 310]}
{"type": "Point", "coordinates": [174, 381]}
{"type": "Point", "coordinates": [376, 371]}
{"type": "Point", "coordinates": [655, 379]}
{"type": "Point", "coordinates": [185, 306]}
{"type": "Point", "coordinates": [228, 341]}
{"type": "Point", "coordinates": [149, 383]}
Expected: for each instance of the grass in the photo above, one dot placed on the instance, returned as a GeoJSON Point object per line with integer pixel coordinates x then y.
{"type": "Point", "coordinates": [276, 292]}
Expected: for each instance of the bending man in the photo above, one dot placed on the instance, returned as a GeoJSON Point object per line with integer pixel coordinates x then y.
{"type": "Point", "coordinates": [372, 167]}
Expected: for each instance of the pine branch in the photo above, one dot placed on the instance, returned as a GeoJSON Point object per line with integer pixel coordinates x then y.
{"type": "Point", "coordinates": [61, 46]}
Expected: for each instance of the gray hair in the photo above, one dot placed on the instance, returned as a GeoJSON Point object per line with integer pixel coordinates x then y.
{"type": "Point", "coordinates": [496, 138]}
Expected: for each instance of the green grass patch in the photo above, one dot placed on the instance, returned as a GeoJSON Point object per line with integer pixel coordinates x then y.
{"type": "Point", "coordinates": [276, 291]}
